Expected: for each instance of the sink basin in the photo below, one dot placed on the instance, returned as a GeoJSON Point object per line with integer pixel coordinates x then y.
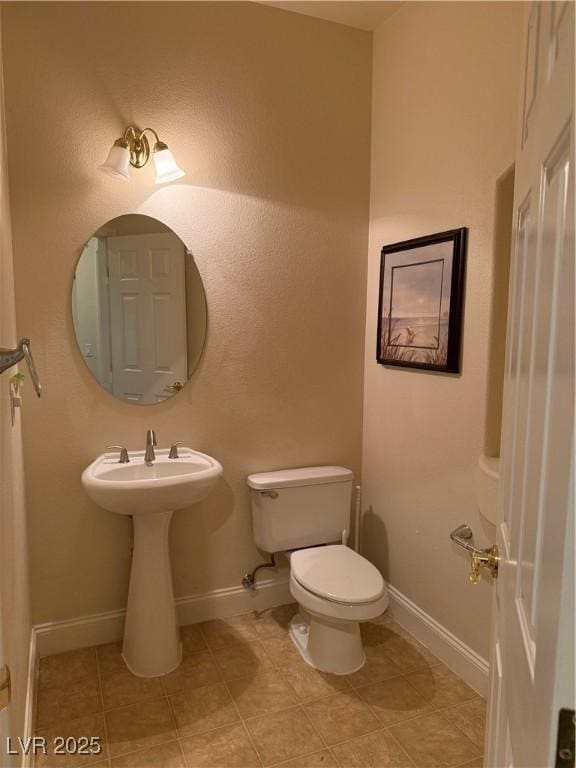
{"type": "Point", "coordinates": [135, 489]}
{"type": "Point", "coordinates": [151, 494]}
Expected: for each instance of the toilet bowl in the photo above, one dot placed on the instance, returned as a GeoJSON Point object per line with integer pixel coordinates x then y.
{"type": "Point", "coordinates": [336, 589]}
{"type": "Point", "coordinates": [302, 512]}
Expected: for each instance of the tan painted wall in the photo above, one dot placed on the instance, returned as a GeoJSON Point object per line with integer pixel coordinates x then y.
{"type": "Point", "coordinates": [14, 595]}
{"type": "Point", "coordinates": [445, 92]}
{"type": "Point", "coordinates": [270, 114]}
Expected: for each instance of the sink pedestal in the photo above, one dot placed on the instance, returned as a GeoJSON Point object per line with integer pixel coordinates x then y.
{"type": "Point", "coordinates": [151, 494]}
{"type": "Point", "coordinates": [151, 636]}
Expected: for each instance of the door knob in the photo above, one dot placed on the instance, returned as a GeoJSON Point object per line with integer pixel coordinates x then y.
{"type": "Point", "coordinates": [483, 558]}
{"type": "Point", "coordinates": [176, 387]}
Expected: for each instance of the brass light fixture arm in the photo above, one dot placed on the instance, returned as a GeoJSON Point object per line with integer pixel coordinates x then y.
{"type": "Point", "coordinates": [151, 130]}
{"type": "Point", "coordinates": [136, 142]}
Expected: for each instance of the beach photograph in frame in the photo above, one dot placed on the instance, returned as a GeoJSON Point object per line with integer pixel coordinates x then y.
{"type": "Point", "coordinates": [421, 301]}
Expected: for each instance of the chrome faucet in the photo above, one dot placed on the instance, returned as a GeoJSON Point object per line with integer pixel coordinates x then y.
{"type": "Point", "coordinates": [150, 456]}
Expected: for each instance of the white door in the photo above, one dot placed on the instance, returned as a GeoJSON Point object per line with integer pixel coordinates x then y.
{"type": "Point", "coordinates": [147, 315]}
{"type": "Point", "coordinates": [533, 643]}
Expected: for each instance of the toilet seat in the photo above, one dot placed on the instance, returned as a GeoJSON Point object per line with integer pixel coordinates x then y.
{"type": "Point", "coordinates": [338, 574]}
{"type": "Point", "coordinates": [330, 610]}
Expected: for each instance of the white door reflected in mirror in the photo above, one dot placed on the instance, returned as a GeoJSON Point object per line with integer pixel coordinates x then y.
{"type": "Point", "coordinates": [139, 309]}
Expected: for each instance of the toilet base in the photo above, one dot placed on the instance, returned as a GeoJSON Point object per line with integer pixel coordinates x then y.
{"type": "Point", "coordinates": [326, 644]}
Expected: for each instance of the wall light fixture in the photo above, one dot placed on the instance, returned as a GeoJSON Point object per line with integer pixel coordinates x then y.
{"type": "Point", "coordinates": [133, 149]}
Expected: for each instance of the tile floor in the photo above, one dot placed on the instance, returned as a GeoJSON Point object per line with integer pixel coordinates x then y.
{"type": "Point", "coordinates": [244, 698]}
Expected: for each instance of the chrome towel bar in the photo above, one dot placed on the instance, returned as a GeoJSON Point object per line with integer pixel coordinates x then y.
{"type": "Point", "coordinates": [464, 537]}
{"type": "Point", "coordinates": [9, 357]}
{"type": "Point", "coordinates": [479, 558]}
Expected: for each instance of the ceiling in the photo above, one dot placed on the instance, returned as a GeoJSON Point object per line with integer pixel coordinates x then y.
{"type": "Point", "coordinates": [362, 15]}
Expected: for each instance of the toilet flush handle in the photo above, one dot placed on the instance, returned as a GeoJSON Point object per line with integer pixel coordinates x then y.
{"type": "Point", "coordinates": [270, 494]}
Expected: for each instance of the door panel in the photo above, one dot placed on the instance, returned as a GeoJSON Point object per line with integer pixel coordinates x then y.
{"type": "Point", "coordinates": [148, 315]}
{"type": "Point", "coordinates": [531, 678]}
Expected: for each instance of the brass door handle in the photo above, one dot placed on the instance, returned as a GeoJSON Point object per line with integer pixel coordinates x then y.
{"type": "Point", "coordinates": [176, 387]}
{"type": "Point", "coordinates": [5, 687]}
{"type": "Point", "coordinates": [479, 558]}
{"type": "Point", "coordinates": [483, 558]}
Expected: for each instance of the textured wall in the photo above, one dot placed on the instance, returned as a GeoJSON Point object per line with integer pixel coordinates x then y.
{"type": "Point", "coordinates": [14, 596]}
{"type": "Point", "coordinates": [445, 92]}
{"type": "Point", "coordinates": [270, 114]}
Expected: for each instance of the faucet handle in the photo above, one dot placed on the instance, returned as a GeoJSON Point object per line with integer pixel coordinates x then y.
{"type": "Point", "coordinates": [124, 458]}
{"type": "Point", "coordinates": [173, 454]}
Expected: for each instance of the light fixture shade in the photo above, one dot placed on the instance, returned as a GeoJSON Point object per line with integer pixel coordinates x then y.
{"type": "Point", "coordinates": [117, 163]}
{"type": "Point", "coordinates": [167, 169]}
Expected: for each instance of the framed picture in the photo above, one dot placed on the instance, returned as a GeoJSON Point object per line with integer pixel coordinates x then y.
{"type": "Point", "coordinates": [421, 301]}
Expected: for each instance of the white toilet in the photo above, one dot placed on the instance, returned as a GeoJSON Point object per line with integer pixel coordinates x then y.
{"type": "Point", "coordinates": [303, 512]}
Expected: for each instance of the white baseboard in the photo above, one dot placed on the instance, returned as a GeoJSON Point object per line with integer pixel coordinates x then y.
{"type": "Point", "coordinates": [231, 601]}
{"type": "Point", "coordinates": [30, 707]}
{"type": "Point", "coordinates": [60, 636]}
{"type": "Point", "coordinates": [459, 657]}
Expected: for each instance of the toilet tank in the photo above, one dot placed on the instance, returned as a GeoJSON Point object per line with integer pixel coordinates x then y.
{"type": "Point", "coordinates": [294, 508]}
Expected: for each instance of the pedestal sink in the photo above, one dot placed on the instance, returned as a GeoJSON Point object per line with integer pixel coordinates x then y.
{"type": "Point", "coordinates": [151, 494]}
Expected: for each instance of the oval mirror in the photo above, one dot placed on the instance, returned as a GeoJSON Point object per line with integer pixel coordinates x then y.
{"type": "Point", "coordinates": [139, 309]}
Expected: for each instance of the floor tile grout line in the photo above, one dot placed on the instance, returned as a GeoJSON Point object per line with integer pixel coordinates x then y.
{"type": "Point", "coordinates": [168, 696]}
{"type": "Point", "coordinates": [403, 722]}
{"type": "Point", "coordinates": [389, 732]}
{"type": "Point", "coordinates": [142, 749]}
{"type": "Point", "coordinates": [335, 758]}
{"type": "Point", "coordinates": [455, 725]}
{"type": "Point", "coordinates": [162, 696]}
{"type": "Point", "coordinates": [182, 755]}
{"type": "Point", "coordinates": [135, 703]}
{"type": "Point", "coordinates": [290, 759]}
{"type": "Point", "coordinates": [381, 729]}
{"type": "Point", "coordinates": [101, 694]}
{"type": "Point", "coordinates": [316, 731]}
{"type": "Point", "coordinates": [462, 703]}
{"type": "Point", "coordinates": [246, 731]}
{"type": "Point", "coordinates": [302, 754]}
{"type": "Point", "coordinates": [174, 720]}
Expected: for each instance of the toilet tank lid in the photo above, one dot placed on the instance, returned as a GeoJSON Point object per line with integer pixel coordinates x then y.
{"type": "Point", "coordinates": [285, 478]}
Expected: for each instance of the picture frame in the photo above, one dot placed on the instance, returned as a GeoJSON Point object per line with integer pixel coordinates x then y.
{"type": "Point", "coordinates": [420, 302]}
